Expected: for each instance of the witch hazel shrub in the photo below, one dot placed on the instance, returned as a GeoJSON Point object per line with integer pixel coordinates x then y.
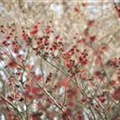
{"type": "Point", "coordinates": [45, 75]}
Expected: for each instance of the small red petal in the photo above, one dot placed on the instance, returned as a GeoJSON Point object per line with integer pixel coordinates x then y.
{"type": "Point", "coordinates": [34, 32]}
